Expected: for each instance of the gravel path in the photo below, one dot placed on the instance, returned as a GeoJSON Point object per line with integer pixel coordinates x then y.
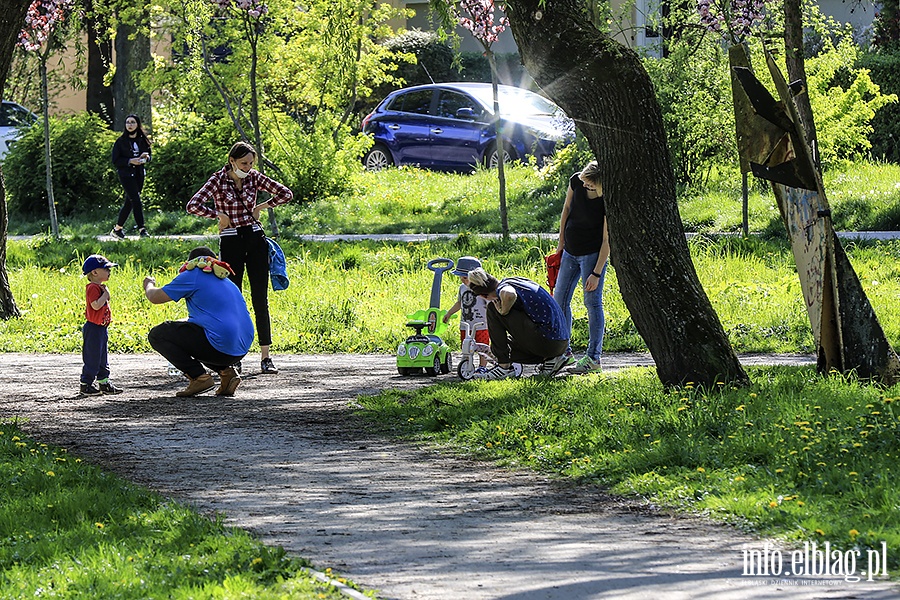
{"type": "Point", "coordinates": [287, 459]}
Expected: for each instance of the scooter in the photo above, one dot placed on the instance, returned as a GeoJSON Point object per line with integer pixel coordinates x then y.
{"type": "Point", "coordinates": [472, 350]}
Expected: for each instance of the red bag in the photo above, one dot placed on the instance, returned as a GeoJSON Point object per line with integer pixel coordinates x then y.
{"type": "Point", "coordinates": [552, 261]}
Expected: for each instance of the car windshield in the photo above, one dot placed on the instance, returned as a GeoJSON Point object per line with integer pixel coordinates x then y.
{"type": "Point", "coordinates": [516, 101]}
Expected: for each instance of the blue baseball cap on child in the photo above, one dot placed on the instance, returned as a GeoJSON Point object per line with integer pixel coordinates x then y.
{"type": "Point", "coordinates": [96, 261]}
{"type": "Point", "coordinates": [466, 264]}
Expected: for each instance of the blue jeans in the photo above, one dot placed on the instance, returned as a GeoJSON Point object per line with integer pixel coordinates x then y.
{"type": "Point", "coordinates": [571, 270]}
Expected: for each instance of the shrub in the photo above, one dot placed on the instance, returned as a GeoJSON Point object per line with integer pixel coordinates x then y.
{"type": "Point", "coordinates": [186, 150]}
{"type": "Point", "coordinates": [430, 55]}
{"type": "Point", "coordinates": [843, 114]}
{"type": "Point", "coordinates": [83, 176]}
{"type": "Point", "coordinates": [884, 70]}
{"type": "Point", "coordinates": [311, 159]}
{"type": "Point", "coordinates": [694, 92]}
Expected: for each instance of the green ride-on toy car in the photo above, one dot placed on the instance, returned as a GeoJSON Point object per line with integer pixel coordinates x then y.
{"type": "Point", "coordinates": [426, 350]}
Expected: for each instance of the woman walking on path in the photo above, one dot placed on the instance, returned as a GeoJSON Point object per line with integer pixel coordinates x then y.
{"type": "Point", "coordinates": [230, 196]}
{"type": "Point", "coordinates": [129, 154]}
{"type": "Point", "coordinates": [584, 246]}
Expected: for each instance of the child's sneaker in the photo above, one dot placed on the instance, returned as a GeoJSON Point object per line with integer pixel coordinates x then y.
{"type": "Point", "coordinates": [480, 370]}
{"type": "Point", "coordinates": [552, 366]}
{"type": "Point", "coordinates": [108, 388]}
{"type": "Point", "coordinates": [497, 373]}
{"type": "Point", "coordinates": [88, 389]}
{"type": "Point", "coordinates": [585, 365]}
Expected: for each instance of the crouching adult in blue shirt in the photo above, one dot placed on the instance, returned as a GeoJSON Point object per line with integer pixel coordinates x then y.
{"type": "Point", "coordinates": [525, 323]}
{"type": "Point", "coordinates": [218, 331]}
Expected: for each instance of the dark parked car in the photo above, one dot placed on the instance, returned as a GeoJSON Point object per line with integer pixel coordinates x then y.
{"type": "Point", "coordinates": [450, 126]}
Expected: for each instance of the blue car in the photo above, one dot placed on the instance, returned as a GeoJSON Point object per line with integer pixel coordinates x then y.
{"type": "Point", "coordinates": [450, 126]}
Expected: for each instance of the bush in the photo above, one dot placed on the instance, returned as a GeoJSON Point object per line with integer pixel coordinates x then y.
{"type": "Point", "coordinates": [432, 57]}
{"type": "Point", "coordinates": [884, 69]}
{"type": "Point", "coordinates": [694, 92]}
{"type": "Point", "coordinates": [83, 175]}
{"type": "Point", "coordinates": [310, 158]}
{"type": "Point", "coordinates": [186, 151]}
{"type": "Point", "coordinates": [844, 112]}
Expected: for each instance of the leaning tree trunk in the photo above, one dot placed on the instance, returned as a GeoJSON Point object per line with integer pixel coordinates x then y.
{"type": "Point", "coordinates": [132, 57]}
{"type": "Point", "coordinates": [12, 17]}
{"type": "Point", "coordinates": [605, 88]}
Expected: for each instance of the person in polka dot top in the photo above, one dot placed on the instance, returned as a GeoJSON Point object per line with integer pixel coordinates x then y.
{"type": "Point", "coordinates": [526, 324]}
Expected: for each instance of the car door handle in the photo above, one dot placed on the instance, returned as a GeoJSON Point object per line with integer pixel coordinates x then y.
{"type": "Point", "coordinates": [437, 130]}
{"type": "Point", "coordinates": [395, 127]}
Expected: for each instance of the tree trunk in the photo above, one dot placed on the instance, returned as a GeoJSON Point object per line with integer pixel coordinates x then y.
{"type": "Point", "coordinates": [501, 149]}
{"type": "Point", "coordinates": [48, 162]}
{"type": "Point", "coordinates": [99, 51]}
{"type": "Point", "coordinates": [796, 71]}
{"type": "Point", "coordinates": [12, 17]}
{"type": "Point", "coordinates": [604, 87]}
{"type": "Point", "coordinates": [132, 56]}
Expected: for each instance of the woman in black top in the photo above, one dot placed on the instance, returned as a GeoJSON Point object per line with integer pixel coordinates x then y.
{"type": "Point", "coordinates": [584, 249]}
{"type": "Point", "coordinates": [129, 154]}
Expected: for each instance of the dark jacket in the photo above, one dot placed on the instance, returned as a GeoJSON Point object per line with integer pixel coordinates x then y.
{"type": "Point", "coordinates": [122, 152]}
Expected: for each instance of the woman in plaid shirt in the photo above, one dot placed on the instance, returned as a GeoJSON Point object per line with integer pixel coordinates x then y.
{"type": "Point", "coordinates": [230, 196]}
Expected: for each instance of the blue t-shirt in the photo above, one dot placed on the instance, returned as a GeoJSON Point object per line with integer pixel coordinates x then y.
{"type": "Point", "coordinates": [217, 306]}
{"type": "Point", "coordinates": [539, 305]}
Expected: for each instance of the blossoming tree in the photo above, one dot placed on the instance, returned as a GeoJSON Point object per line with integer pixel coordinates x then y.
{"type": "Point", "coordinates": [44, 21]}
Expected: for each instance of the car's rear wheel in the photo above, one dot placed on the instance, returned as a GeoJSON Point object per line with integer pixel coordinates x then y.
{"type": "Point", "coordinates": [377, 158]}
{"type": "Point", "coordinates": [492, 157]}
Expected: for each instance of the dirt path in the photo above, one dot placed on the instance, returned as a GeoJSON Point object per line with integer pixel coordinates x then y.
{"type": "Point", "coordinates": [287, 459]}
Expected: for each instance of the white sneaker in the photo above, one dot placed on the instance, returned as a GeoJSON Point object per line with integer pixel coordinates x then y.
{"type": "Point", "coordinates": [497, 373]}
{"type": "Point", "coordinates": [552, 366]}
{"type": "Point", "coordinates": [585, 365]}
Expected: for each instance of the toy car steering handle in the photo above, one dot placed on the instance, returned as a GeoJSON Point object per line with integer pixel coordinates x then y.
{"type": "Point", "coordinates": [438, 265]}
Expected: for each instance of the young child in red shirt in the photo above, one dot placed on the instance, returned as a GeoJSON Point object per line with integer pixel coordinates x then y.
{"type": "Point", "coordinates": [94, 350]}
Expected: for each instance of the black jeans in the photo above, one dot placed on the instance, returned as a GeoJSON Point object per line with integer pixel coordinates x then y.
{"type": "Point", "coordinates": [133, 182]}
{"type": "Point", "coordinates": [516, 338]}
{"type": "Point", "coordinates": [249, 249]}
{"type": "Point", "coordinates": [186, 346]}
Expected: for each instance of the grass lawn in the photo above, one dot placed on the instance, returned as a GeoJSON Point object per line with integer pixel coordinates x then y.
{"type": "Point", "coordinates": [795, 456]}
{"type": "Point", "coordinates": [864, 196]}
{"type": "Point", "coordinates": [70, 530]}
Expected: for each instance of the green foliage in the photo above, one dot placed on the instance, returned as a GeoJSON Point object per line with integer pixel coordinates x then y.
{"type": "Point", "coordinates": [694, 92]}
{"type": "Point", "coordinates": [843, 114]}
{"type": "Point", "coordinates": [71, 528]}
{"type": "Point", "coordinates": [83, 176]}
{"type": "Point", "coordinates": [311, 159]}
{"type": "Point", "coordinates": [186, 151]}
{"type": "Point", "coordinates": [419, 54]}
{"type": "Point", "coordinates": [884, 70]}
{"type": "Point", "coordinates": [796, 455]}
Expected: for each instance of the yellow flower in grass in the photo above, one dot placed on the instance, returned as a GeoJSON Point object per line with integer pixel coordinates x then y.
{"type": "Point", "coordinates": [701, 470]}
{"type": "Point", "coordinates": [99, 525]}
{"type": "Point", "coordinates": [820, 532]}
{"type": "Point", "coordinates": [853, 533]}
{"type": "Point", "coordinates": [853, 473]}
{"type": "Point", "coordinates": [740, 408]}
{"type": "Point", "coordinates": [738, 479]}
{"type": "Point", "coordinates": [773, 504]}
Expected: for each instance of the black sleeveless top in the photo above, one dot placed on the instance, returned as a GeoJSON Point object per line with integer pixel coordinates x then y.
{"type": "Point", "coordinates": [584, 226]}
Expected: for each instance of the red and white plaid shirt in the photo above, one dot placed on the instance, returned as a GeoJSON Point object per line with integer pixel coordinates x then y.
{"type": "Point", "coordinates": [221, 191]}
